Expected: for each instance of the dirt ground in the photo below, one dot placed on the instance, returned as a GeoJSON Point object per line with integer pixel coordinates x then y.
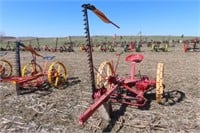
{"type": "Point", "coordinates": [55, 110]}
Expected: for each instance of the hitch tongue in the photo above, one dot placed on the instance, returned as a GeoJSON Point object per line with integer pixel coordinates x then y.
{"type": "Point", "coordinates": [106, 105]}
{"type": "Point", "coordinates": [101, 101]}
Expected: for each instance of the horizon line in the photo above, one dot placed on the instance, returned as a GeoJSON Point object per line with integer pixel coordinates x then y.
{"type": "Point", "coordinates": [98, 35]}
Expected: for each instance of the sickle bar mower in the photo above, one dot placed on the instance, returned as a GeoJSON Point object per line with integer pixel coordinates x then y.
{"type": "Point", "coordinates": [129, 91]}
{"type": "Point", "coordinates": [109, 87]}
{"type": "Point", "coordinates": [33, 75]}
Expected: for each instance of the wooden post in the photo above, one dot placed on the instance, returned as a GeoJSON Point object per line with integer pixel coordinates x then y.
{"type": "Point", "coordinates": [159, 83]}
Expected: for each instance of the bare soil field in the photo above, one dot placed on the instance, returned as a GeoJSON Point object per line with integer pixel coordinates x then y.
{"type": "Point", "coordinates": [58, 110]}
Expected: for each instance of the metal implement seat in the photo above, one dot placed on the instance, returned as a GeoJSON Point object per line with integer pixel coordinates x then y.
{"type": "Point", "coordinates": [137, 58]}
{"type": "Point", "coordinates": [133, 58]}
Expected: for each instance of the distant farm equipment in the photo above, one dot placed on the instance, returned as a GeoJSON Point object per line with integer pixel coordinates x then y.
{"type": "Point", "coordinates": [158, 46]}
{"type": "Point", "coordinates": [33, 75]}
{"type": "Point", "coordinates": [36, 48]}
{"type": "Point", "coordinates": [66, 48]}
{"type": "Point", "coordinates": [40, 44]}
{"type": "Point", "coordinates": [132, 46]}
{"type": "Point", "coordinates": [106, 48]}
{"type": "Point", "coordinates": [192, 45]}
{"type": "Point", "coordinates": [7, 47]}
{"type": "Point", "coordinates": [83, 48]}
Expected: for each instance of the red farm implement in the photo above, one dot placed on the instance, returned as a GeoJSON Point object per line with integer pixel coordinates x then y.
{"type": "Point", "coordinates": [109, 86]}
{"type": "Point", "coordinates": [192, 45]}
{"type": "Point", "coordinates": [33, 75]}
{"type": "Point", "coordinates": [129, 90]}
{"type": "Point", "coordinates": [66, 48]}
{"type": "Point", "coordinates": [132, 46]}
{"type": "Point", "coordinates": [106, 47]}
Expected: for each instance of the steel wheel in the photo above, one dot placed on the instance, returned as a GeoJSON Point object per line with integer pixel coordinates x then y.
{"type": "Point", "coordinates": [31, 69]}
{"type": "Point", "coordinates": [5, 69]}
{"type": "Point", "coordinates": [159, 83]}
{"type": "Point", "coordinates": [57, 74]}
{"type": "Point", "coordinates": [105, 70]}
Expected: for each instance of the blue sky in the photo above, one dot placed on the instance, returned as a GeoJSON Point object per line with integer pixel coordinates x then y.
{"type": "Point", "coordinates": [60, 18]}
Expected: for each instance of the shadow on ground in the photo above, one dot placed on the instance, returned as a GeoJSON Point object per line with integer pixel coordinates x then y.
{"type": "Point", "coordinates": [46, 88]}
{"type": "Point", "coordinates": [170, 98]}
{"type": "Point", "coordinates": [115, 117]}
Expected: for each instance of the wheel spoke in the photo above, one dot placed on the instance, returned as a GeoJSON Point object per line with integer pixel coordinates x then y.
{"type": "Point", "coordinates": [31, 69]}
{"type": "Point", "coordinates": [57, 74]}
{"type": "Point", "coordinates": [5, 68]}
{"type": "Point", "coordinates": [105, 70]}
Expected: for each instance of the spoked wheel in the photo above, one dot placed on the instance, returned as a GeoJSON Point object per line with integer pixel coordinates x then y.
{"type": "Point", "coordinates": [5, 69]}
{"type": "Point", "coordinates": [172, 97]}
{"type": "Point", "coordinates": [159, 83]}
{"type": "Point", "coordinates": [31, 69]}
{"type": "Point", "coordinates": [105, 70]}
{"type": "Point", "coordinates": [57, 74]}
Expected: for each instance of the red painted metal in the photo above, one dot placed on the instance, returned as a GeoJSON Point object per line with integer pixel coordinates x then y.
{"type": "Point", "coordinates": [137, 58]}
{"type": "Point", "coordinates": [191, 45]}
{"type": "Point", "coordinates": [34, 80]}
{"type": "Point", "coordinates": [27, 81]}
{"type": "Point", "coordinates": [98, 102]}
{"type": "Point", "coordinates": [112, 94]}
{"type": "Point", "coordinates": [128, 91]}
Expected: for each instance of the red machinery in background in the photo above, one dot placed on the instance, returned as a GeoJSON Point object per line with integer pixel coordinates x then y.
{"type": "Point", "coordinates": [192, 45]}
